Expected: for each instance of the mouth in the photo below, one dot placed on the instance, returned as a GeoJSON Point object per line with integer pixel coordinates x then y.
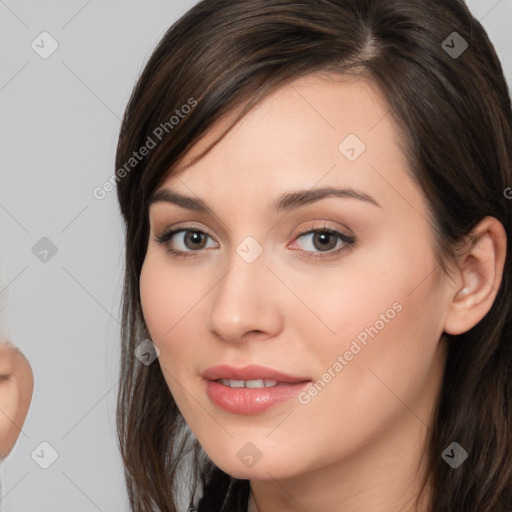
{"type": "Point", "coordinates": [253, 375]}
{"type": "Point", "coordinates": [252, 384]}
{"type": "Point", "coordinates": [252, 389]}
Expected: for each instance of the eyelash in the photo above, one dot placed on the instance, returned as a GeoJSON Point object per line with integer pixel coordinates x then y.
{"type": "Point", "coordinates": [167, 236]}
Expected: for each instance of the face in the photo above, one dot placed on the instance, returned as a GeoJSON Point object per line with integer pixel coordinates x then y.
{"type": "Point", "coordinates": [16, 384]}
{"type": "Point", "coordinates": [334, 295]}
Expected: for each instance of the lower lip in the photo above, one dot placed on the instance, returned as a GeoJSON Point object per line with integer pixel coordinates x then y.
{"type": "Point", "coordinates": [251, 400]}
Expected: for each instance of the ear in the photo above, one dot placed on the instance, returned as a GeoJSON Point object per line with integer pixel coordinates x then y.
{"type": "Point", "coordinates": [480, 275]}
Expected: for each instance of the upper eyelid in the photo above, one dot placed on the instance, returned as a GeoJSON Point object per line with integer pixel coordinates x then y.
{"type": "Point", "coordinates": [191, 227]}
{"type": "Point", "coordinates": [179, 229]}
{"type": "Point", "coordinates": [156, 219]}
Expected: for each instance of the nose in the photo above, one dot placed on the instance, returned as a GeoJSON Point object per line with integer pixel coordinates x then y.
{"type": "Point", "coordinates": [246, 302]}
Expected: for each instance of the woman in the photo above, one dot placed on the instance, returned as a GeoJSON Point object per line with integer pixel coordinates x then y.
{"type": "Point", "coordinates": [316, 219]}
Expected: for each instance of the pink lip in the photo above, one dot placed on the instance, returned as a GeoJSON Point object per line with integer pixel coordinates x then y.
{"type": "Point", "coordinates": [250, 372]}
{"type": "Point", "coordinates": [250, 400]}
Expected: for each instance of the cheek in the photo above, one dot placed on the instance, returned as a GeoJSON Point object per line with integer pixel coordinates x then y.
{"type": "Point", "coordinates": [154, 297]}
{"type": "Point", "coordinates": [374, 288]}
{"type": "Point", "coordinates": [172, 303]}
{"type": "Point", "coordinates": [166, 295]}
{"type": "Point", "coordinates": [163, 300]}
{"type": "Point", "coordinates": [382, 311]}
{"type": "Point", "coordinates": [388, 323]}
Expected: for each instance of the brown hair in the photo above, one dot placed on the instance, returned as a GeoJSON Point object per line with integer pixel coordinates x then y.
{"type": "Point", "coordinates": [454, 114]}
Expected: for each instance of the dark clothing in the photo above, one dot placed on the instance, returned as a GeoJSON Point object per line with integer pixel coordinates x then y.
{"type": "Point", "coordinates": [225, 494]}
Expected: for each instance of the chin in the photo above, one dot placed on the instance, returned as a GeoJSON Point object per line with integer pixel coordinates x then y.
{"type": "Point", "coordinates": [260, 470]}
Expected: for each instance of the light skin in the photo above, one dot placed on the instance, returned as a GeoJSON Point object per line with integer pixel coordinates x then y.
{"type": "Point", "coordinates": [16, 386]}
{"type": "Point", "coordinates": [358, 445]}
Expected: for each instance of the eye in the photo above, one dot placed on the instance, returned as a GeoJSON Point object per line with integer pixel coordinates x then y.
{"type": "Point", "coordinates": [324, 240]}
{"type": "Point", "coordinates": [188, 240]}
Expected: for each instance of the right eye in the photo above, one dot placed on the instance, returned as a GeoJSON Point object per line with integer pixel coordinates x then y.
{"type": "Point", "coordinates": [189, 241]}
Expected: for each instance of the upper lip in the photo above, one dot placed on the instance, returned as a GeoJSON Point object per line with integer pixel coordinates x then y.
{"type": "Point", "coordinates": [250, 372]}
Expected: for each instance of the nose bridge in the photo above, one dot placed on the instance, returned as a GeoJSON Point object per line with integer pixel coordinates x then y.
{"type": "Point", "coordinates": [243, 300]}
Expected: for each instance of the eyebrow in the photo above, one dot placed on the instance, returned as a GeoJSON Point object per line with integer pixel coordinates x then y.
{"type": "Point", "coordinates": [286, 202]}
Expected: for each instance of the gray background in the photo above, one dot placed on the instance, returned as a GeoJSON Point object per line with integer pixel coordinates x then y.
{"type": "Point", "coordinates": [60, 118]}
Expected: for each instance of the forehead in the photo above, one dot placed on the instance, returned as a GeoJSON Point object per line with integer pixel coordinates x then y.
{"type": "Point", "coordinates": [330, 130]}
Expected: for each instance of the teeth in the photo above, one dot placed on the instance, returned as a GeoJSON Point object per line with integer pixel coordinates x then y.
{"type": "Point", "coordinates": [259, 383]}
{"type": "Point", "coordinates": [254, 384]}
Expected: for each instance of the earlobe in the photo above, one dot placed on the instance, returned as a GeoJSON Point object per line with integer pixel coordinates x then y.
{"type": "Point", "coordinates": [481, 271]}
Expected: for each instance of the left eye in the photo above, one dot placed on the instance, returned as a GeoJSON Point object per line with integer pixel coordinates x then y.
{"type": "Point", "coordinates": [325, 240]}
